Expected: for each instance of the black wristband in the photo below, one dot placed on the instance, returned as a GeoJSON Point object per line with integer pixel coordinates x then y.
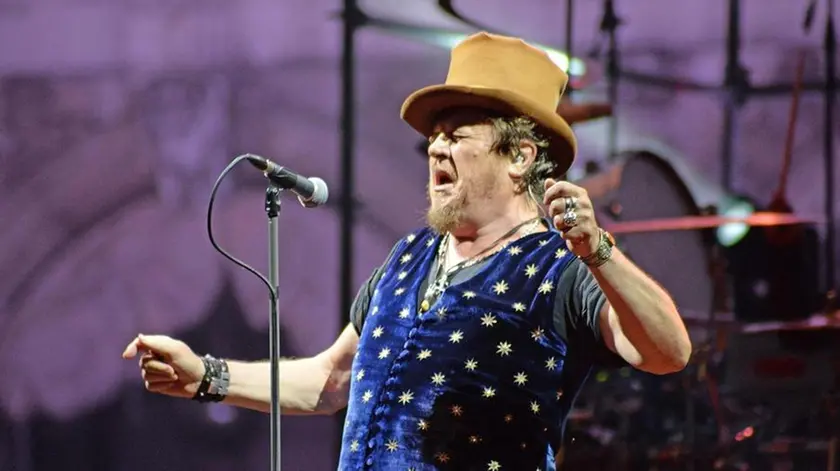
{"type": "Point", "coordinates": [214, 384]}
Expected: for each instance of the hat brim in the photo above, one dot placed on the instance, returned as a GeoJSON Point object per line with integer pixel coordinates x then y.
{"type": "Point", "coordinates": [422, 107]}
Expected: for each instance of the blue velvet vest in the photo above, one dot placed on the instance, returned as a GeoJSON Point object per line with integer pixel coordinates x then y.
{"type": "Point", "coordinates": [475, 382]}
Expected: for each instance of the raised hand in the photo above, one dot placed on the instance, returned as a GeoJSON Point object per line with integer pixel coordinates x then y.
{"type": "Point", "coordinates": [572, 213]}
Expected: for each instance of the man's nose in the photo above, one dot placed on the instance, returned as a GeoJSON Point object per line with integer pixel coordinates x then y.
{"type": "Point", "coordinates": [438, 147]}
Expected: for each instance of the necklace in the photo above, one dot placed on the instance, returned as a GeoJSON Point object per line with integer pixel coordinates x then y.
{"type": "Point", "coordinates": [443, 276]}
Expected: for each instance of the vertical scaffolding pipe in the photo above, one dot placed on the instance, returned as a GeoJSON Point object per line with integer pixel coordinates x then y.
{"type": "Point", "coordinates": [828, 146]}
{"type": "Point", "coordinates": [569, 42]}
{"type": "Point", "coordinates": [352, 18]}
{"type": "Point", "coordinates": [734, 94]}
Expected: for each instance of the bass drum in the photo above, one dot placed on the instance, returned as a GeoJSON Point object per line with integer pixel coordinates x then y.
{"type": "Point", "coordinates": [641, 186]}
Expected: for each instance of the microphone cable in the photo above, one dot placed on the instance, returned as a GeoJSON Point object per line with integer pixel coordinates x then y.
{"type": "Point", "coordinates": [216, 246]}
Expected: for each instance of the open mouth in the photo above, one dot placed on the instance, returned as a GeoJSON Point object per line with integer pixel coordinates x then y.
{"type": "Point", "coordinates": [443, 180]}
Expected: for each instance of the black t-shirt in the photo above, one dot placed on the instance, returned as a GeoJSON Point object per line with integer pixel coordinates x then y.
{"type": "Point", "coordinates": [577, 307]}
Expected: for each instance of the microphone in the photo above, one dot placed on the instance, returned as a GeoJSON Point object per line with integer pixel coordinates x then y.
{"type": "Point", "coordinates": [311, 192]}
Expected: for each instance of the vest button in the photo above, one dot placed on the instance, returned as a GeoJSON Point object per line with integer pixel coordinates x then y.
{"type": "Point", "coordinates": [369, 461]}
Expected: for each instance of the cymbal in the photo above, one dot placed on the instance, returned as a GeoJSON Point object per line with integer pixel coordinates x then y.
{"type": "Point", "coordinates": [707, 222]}
{"type": "Point", "coordinates": [582, 112]}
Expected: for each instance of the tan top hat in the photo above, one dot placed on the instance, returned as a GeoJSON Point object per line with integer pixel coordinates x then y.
{"type": "Point", "coordinates": [502, 74]}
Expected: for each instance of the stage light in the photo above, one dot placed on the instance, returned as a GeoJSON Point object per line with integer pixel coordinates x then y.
{"type": "Point", "coordinates": [730, 234]}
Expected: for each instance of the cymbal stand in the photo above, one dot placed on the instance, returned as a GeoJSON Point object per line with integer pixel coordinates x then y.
{"type": "Point", "coordinates": [702, 376]}
{"type": "Point", "coordinates": [609, 24]}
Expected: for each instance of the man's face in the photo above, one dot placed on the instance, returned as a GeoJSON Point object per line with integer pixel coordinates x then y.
{"type": "Point", "coordinates": [464, 172]}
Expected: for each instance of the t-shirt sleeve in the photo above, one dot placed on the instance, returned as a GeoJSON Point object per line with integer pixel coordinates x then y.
{"type": "Point", "coordinates": [361, 305]}
{"type": "Point", "coordinates": [578, 309]}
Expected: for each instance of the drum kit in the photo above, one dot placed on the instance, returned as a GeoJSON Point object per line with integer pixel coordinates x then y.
{"type": "Point", "coordinates": [732, 404]}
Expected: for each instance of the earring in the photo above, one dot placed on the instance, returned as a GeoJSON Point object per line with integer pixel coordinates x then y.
{"type": "Point", "coordinates": [519, 159]}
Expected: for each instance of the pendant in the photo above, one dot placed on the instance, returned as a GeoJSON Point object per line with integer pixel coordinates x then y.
{"type": "Point", "coordinates": [424, 306]}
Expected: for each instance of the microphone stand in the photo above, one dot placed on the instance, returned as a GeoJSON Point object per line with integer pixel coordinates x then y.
{"type": "Point", "coordinates": [272, 209]}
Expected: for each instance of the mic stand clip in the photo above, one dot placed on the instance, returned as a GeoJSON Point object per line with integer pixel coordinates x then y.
{"type": "Point", "coordinates": [272, 209]}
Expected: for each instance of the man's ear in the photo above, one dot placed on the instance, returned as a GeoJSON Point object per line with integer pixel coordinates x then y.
{"type": "Point", "coordinates": [522, 159]}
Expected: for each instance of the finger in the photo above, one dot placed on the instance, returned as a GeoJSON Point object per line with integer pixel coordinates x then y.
{"type": "Point", "coordinates": [559, 189]}
{"type": "Point", "coordinates": [158, 378]}
{"type": "Point", "coordinates": [159, 387]}
{"type": "Point", "coordinates": [575, 230]}
{"type": "Point", "coordinates": [159, 344]}
{"type": "Point", "coordinates": [557, 207]}
{"type": "Point", "coordinates": [131, 349]}
{"type": "Point", "coordinates": [157, 366]}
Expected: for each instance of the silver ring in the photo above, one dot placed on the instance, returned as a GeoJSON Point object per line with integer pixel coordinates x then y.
{"type": "Point", "coordinates": [570, 203]}
{"type": "Point", "coordinates": [570, 218]}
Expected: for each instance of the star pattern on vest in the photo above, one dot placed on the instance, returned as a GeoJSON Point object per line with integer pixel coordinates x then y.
{"type": "Point", "coordinates": [531, 270]}
{"type": "Point", "coordinates": [511, 296]}
{"type": "Point", "coordinates": [500, 287]}
{"type": "Point", "coordinates": [545, 287]}
{"type": "Point", "coordinates": [406, 397]}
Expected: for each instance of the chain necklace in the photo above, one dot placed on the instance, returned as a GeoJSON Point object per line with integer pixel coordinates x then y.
{"type": "Point", "coordinates": [443, 276]}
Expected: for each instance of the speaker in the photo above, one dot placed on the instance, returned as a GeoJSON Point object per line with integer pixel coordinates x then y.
{"type": "Point", "coordinates": [774, 274]}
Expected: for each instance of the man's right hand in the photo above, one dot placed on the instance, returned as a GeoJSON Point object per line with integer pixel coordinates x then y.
{"type": "Point", "coordinates": [168, 366]}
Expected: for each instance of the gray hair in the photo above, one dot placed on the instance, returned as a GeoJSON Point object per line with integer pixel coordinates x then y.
{"type": "Point", "coordinates": [509, 131]}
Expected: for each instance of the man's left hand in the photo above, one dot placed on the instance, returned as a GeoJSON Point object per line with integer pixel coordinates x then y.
{"type": "Point", "coordinates": [576, 223]}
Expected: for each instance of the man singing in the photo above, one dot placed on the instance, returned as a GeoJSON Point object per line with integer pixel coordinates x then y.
{"type": "Point", "coordinates": [469, 344]}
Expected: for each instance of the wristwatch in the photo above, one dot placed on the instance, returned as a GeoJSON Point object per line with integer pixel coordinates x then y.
{"type": "Point", "coordinates": [603, 252]}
